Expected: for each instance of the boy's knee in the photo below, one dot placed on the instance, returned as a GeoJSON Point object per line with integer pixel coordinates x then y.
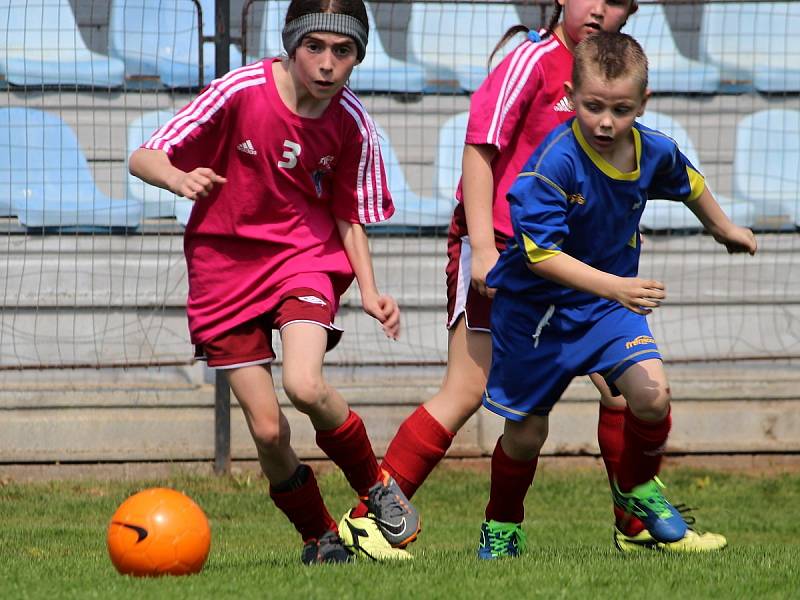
{"type": "Point", "coordinates": [651, 405]}
{"type": "Point", "coordinates": [524, 440]}
{"type": "Point", "coordinates": [269, 436]}
{"type": "Point", "coordinates": [306, 393]}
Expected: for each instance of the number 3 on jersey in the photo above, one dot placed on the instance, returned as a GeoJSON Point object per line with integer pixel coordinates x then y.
{"type": "Point", "coordinates": [291, 150]}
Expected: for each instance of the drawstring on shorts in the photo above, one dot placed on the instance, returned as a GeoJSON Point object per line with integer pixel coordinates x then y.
{"type": "Point", "coordinates": [543, 322]}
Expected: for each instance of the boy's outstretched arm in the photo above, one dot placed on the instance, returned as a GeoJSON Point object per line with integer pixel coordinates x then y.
{"type": "Point", "coordinates": [634, 293]}
{"type": "Point", "coordinates": [155, 168]}
{"type": "Point", "coordinates": [379, 306]}
{"type": "Point", "coordinates": [714, 219]}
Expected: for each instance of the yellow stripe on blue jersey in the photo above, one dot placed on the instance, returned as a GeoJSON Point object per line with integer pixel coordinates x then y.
{"type": "Point", "coordinates": [601, 163]}
{"type": "Point", "coordinates": [543, 178]}
{"type": "Point", "coordinates": [697, 183]}
{"type": "Point", "coordinates": [536, 254]}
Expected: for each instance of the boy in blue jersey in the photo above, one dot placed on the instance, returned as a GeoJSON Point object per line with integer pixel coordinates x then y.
{"type": "Point", "coordinates": [569, 301]}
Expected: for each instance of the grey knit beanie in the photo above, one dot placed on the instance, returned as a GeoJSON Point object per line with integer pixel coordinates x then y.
{"type": "Point", "coordinates": [296, 29]}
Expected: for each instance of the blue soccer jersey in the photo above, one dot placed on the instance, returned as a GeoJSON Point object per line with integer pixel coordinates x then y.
{"type": "Point", "coordinates": [569, 199]}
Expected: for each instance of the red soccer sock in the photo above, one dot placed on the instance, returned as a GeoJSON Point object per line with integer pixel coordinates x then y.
{"type": "Point", "coordinates": [419, 445]}
{"type": "Point", "coordinates": [304, 507]}
{"type": "Point", "coordinates": [610, 438]}
{"type": "Point", "coordinates": [644, 445]}
{"type": "Point", "coordinates": [349, 447]}
{"type": "Point", "coordinates": [510, 482]}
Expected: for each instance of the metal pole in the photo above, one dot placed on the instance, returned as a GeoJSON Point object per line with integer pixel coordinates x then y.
{"type": "Point", "coordinates": [222, 424]}
{"type": "Point", "coordinates": [222, 392]}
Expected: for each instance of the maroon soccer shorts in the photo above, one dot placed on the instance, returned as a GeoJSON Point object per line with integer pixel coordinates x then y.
{"type": "Point", "coordinates": [250, 343]}
{"type": "Point", "coordinates": [462, 298]}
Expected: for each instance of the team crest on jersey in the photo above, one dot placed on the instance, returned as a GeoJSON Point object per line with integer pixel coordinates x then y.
{"type": "Point", "coordinates": [576, 199]}
{"type": "Point", "coordinates": [324, 167]}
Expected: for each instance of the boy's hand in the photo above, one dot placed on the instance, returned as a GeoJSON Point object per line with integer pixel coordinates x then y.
{"type": "Point", "coordinates": [639, 295]}
{"type": "Point", "coordinates": [482, 263]}
{"type": "Point", "coordinates": [195, 184]}
{"type": "Point", "coordinates": [737, 239]}
{"type": "Point", "coordinates": [385, 310]}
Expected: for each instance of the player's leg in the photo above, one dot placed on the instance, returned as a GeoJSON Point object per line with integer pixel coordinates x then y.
{"type": "Point", "coordinates": [340, 431]}
{"type": "Point", "coordinates": [425, 436]}
{"type": "Point", "coordinates": [647, 425]}
{"type": "Point", "coordinates": [244, 354]}
{"type": "Point", "coordinates": [610, 428]}
{"type": "Point", "coordinates": [529, 372]}
{"type": "Point", "coordinates": [514, 461]}
{"type": "Point", "coordinates": [293, 486]}
{"type": "Point", "coordinates": [629, 532]}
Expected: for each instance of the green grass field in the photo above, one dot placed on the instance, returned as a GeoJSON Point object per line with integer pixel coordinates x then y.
{"type": "Point", "coordinates": [52, 542]}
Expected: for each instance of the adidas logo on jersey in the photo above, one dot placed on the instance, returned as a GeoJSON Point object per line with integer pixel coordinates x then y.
{"type": "Point", "coordinates": [247, 147]}
{"type": "Point", "coordinates": [564, 105]}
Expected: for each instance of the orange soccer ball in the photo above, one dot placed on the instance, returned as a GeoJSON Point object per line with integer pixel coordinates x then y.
{"type": "Point", "coordinates": [158, 531]}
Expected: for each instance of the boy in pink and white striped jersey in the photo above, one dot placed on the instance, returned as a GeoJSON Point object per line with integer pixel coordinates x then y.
{"type": "Point", "coordinates": [284, 165]}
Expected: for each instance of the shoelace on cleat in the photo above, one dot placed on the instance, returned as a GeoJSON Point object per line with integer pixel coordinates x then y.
{"type": "Point", "coordinates": [499, 539]}
{"type": "Point", "coordinates": [392, 507]}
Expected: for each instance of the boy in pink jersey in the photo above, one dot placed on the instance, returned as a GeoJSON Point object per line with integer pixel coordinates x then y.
{"type": "Point", "coordinates": [284, 165]}
{"type": "Point", "coordinates": [517, 105]}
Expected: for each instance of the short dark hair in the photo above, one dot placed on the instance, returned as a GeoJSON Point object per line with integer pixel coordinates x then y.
{"type": "Point", "coordinates": [611, 55]}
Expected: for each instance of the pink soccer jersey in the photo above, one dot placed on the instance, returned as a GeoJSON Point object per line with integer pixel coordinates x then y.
{"type": "Point", "coordinates": [517, 105]}
{"type": "Point", "coordinates": [272, 226]}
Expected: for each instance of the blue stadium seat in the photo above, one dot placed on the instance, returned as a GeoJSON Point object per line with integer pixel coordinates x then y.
{"type": "Point", "coordinates": [159, 38]}
{"type": "Point", "coordinates": [766, 166]}
{"type": "Point", "coordinates": [755, 44]}
{"type": "Point", "coordinates": [664, 214]}
{"type": "Point", "coordinates": [42, 45]}
{"type": "Point", "coordinates": [46, 179]}
{"type": "Point", "coordinates": [670, 71]}
{"type": "Point", "coordinates": [449, 153]}
{"type": "Point", "coordinates": [157, 202]}
{"type": "Point", "coordinates": [454, 40]}
{"type": "Point", "coordinates": [412, 211]}
{"type": "Point", "coordinates": [378, 73]}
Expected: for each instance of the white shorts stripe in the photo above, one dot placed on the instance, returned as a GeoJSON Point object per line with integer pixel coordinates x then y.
{"type": "Point", "coordinates": [464, 280]}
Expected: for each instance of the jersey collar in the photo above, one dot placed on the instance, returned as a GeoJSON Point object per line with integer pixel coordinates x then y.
{"type": "Point", "coordinates": [601, 163]}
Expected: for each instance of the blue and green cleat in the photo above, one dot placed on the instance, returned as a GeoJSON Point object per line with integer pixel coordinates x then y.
{"type": "Point", "coordinates": [660, 518]}
{"type": "Point", "coordinates": [499, 540]}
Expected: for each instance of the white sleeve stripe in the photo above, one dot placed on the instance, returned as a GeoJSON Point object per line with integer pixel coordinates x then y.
{"type": "Point", "coordinates": [237, 73]}
{"type": "Point", "coordinates": [361, 163]}
{"type": "Point", "coordinates": [501, 96]}
{"type": "Point", "coordinates": [203, 107]}
{"type": "Point", "coordinates": [376, 155]}
{"type": "Point", "coordinates": [214, 88]}
{"type": "Point", "coordinates": [369, 149]}
{"type": "Point", "coordinates": [370, 163]}
{"type": "Point", "coordinates": [521, 83]}
{"type": "Point", "coordinates": [517, 77]}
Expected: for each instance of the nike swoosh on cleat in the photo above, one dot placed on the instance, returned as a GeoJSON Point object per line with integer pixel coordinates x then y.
{"type": "Point", "coordinates": [398, 529]}
{"type": "Point", "coordinates": [140, 531]}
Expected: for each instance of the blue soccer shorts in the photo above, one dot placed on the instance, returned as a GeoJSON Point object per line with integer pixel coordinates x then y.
{"type": "Point", "coordinates": [538, 350]}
